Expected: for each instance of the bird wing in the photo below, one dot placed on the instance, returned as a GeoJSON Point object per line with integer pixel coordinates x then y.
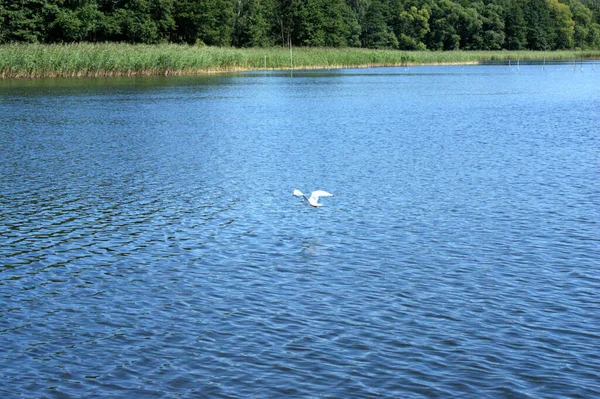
{"type": "Point", "coordinates": [298, 193]}
{"type": "Point", "coordinates": [320, 193]}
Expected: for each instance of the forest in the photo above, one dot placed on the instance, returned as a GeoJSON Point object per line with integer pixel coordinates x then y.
{"type": "Point", "coordinates": [378, 24]}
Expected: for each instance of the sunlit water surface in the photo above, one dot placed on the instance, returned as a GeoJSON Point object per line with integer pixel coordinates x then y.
{"type": "Point", "coordinates": [150, 244]}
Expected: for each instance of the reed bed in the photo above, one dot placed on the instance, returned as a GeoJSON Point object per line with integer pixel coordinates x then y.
{"type": "Point", "coordinates": [118, 59]}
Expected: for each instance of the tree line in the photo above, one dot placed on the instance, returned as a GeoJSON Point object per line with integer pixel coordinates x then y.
{"type": "Point", "coordinates": [396, 24]}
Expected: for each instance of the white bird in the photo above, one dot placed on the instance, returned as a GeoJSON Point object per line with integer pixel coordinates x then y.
{"type": "Point", "coordinates": [314, 197]}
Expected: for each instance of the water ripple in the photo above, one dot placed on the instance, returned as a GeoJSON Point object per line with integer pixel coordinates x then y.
{"type": "Point", "coordinates": [151, 247]}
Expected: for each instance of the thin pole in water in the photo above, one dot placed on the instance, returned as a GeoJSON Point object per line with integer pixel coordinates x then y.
{"type": "Point", "coordinates": [544, 66]}
{"type": "Point", "coordinates": [265, 62]}
{"type": "Point", "coordinates": [291, 59]}
{"type": "Point", "coordinates": [518, 69]}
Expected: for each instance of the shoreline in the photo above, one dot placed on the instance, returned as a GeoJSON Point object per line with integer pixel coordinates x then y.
{"type": "Point", "coordinates": [99, 74]}
{"type": "Point", "coordinates": [87, 60]}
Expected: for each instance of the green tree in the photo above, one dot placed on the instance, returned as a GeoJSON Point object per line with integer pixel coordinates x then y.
{"type": "Point", "coordinates": [71, 21]}
{"type": "Point", "coordinates": [328, 23]}
{"type": "Point", "coordinates": [411, 26]}
{"type": "Point", "coordinates": [443, 34]}
{"type": "Point", "coordinates": [253, 26]}
{"type": "Point", "coordinates": [284, 18]}
{"type": "Point", "coordinates": [216, 22]}
{"type": "Point", "coordinates": [582, 16]}
{"type": "Point", "coordinates": [3, 31]}
{"type": "Point", "coordinates": [594, 36]}
{"type": "Point", "coordinates": [207, 21]}
{"type": "Point", "coordinates": [562, 23]}
{"type": "Point", "coordinates": [515, 30]}
{"type": "Point", "coordinates": [492, 34]}
{"type": "Point", "coordinates": [309, 21]}
{"type": "Point", "coordinates": [405, 24]}
{"type": "Point", "coordinates": [136, 21]}
{"type": "Point", "coordinates": [342, 27]}
{"type": "Point", "coordinates": [22, 21]}
{"type": "Point", "coordinates": [594, 6]}
{"type": "Point", "coordinates": [187, 21]}
{"type": "Point", "coordinates": [468, 24]}
{"type": "Point", "coordinates": [376, 32]}
{"type": "Point", "coordinates": [539, 27]}
{"type": "Point", "coordinates": [587, 31]}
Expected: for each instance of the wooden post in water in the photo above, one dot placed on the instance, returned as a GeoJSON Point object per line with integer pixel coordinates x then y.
{"type": "Point", "coordinates": [265, 62]}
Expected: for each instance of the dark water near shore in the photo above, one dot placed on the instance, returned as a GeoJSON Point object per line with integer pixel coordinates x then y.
{"type": "Point", "coordinates": [150, 245]}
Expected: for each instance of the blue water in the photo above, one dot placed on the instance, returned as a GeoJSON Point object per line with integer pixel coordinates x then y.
{"type": "Point", "coordinates": [150, 245]}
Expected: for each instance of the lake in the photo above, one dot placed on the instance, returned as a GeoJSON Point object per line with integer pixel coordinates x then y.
{"type": "Point", "coordinates": [151, 247]}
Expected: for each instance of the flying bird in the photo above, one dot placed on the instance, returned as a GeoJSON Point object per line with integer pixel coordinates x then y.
{"type": "Point", "coordinates": [314, 197]}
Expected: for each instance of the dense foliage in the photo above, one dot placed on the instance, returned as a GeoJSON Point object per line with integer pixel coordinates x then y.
{"type": "Point", "coordinates": [396, 24]}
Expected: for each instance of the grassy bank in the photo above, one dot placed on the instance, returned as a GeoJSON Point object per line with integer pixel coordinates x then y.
{"type": "Point", "coordinates": [116, 59]}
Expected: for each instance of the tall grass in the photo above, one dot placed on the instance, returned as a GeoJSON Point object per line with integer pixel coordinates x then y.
{"type": "Point", "coordinates": [117, 59]}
